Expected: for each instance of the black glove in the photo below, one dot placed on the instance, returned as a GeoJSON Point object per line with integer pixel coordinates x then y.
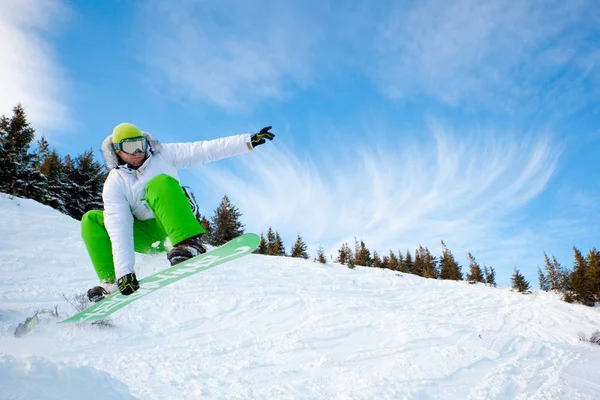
{"type": "Point", "coordinates": [128, 284]}
{"type": "Point", "coordinates": [259, 138]}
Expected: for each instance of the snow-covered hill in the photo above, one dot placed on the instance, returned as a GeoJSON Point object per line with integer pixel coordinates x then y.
{"type": "Point", "coordinates": [280, 328]}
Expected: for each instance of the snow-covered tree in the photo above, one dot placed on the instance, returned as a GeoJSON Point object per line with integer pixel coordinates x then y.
{"type": "Point", "coordinates": [17, 173]}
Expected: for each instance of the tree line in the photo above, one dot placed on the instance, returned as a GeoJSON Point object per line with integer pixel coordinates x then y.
{"type": "Point", "coordinates": [72, 185]}
{"type": "Point", "coordinates": [421, 263]}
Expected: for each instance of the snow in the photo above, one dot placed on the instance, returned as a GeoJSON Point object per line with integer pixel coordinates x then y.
{"type": "Point", "coordinates": [279, 328]}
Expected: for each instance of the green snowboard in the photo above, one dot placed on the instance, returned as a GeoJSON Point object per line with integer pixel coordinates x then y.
{"type": "Point", "coordinates": [231, 250]}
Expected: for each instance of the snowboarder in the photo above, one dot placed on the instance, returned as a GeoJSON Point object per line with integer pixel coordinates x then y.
{"type": "Point", "coordinates": [144, 203]}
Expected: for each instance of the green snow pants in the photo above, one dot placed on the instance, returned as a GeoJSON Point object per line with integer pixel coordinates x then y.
{"type": "Point", "coordinates": [174, 219]}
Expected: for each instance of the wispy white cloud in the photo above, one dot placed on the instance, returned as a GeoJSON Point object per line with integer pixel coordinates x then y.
{"type": "Point", "coordinates": [30, 73]}
{"type": "Point", "coordinates": [466, 52]}
{"type": "Point", "coordinates": [229, 53]}
{"type": "Point", "coordinates": [462, 187]}
{"type": "Point", "coordinates": [503, 53]}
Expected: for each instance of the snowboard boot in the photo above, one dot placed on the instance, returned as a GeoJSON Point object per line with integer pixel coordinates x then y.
{"type": "Point", "coordinates": [98, 293]}
{"type": "Point", "coordinates": [186, 249]}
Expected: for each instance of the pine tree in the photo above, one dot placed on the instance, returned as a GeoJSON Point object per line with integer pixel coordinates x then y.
{"type": "Point", "coordinates": [40, 183]}
{"type": "Point", "coordinates": [85, 180]}
{"type": "Point", "coordinates": [449, 268]}
{"type": "Point", "coordinates": [345, 255]}
{"type": "Point", "coordinates": [593, 260]}
{"type": "Point", "coordinates": [425, 264]}
{"type": "Point", "coordinates": [226, 223]}
{"type": "Point", "coordinates": [208, 230]}
{"type": "Point", "coordinates": [321, 255]}
{"type": "Point", "coordinates": [418, 265]}
{"type": "Point", "coordinates": [543, 282]}
{"type": "Point", "coordinates": [583, 290]}
{"type": "Point", "coordinates": [407, 266]}
{"type": "Point", "coordinates": [385, 262]}
{"type": "Point", "coordinates": [362, 255]}
{"type": "Point", "coordinates": [262, 246]}
{"type": "Point", "coordinates": [475, 275]}
{"type": "Point", "coordinates": [271, 251]}
{"type": "Point", "coordinates": [377, 263]}
{"type": "Point", "coordinates": [519, 282]}
{"type": "Point", "coordinates": [299, 249]}
{"type": "Point", "coordinates": [18, 175]}
{"type": "Point", "coordinates": [53, 169]}
{"type": "Point", "coordinates": [557, 276]}
{"type": "Point", "coordinates": [393, 263]}
{"type": "Point", "coordinates": [490, 276]}
{"type": "Point", "coordinates": [278, 246]}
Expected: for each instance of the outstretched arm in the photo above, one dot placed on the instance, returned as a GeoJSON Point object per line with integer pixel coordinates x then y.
{"type": "Point", "coordinates": [185, 155]}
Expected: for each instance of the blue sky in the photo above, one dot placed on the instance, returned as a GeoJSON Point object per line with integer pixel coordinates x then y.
{"type": "Point", "coordinates": [398, 122]}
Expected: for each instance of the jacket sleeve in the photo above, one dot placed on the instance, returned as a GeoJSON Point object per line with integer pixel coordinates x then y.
{"type": "Point", "coordinates": [185, 155]}
{"type": "Point", "coordinates": [118, 221]}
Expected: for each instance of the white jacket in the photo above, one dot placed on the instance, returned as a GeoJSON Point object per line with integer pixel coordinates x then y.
{"type": "Point", "coordinates": [125, 188]}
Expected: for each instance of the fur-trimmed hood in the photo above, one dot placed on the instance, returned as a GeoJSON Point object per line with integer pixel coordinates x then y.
{"type": "Point", "coordinates": [111, 160]}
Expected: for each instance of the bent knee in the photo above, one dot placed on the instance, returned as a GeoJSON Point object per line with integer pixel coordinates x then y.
{"type": "Point", "coordinates": [93, 216]}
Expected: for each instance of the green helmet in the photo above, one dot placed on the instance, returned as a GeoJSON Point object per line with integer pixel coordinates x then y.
{"type": "Point", "coordinates": [125, 131]}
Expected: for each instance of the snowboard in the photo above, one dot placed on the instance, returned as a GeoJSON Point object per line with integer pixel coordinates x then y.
{"type": "Point", "coordinates": [231, 250]}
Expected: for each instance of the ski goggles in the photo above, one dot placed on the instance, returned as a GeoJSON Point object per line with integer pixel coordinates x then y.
{"type": "Point", "coordinates": [133, 145]}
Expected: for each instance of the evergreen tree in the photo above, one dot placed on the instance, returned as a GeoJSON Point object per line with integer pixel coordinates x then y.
{"type": "Point", "coordinates": [321, 255]}
{"type": "Point", "coordinates": [345, 255]}
{"type": "Point", "coordinates": [226, 222]}
{"type": "Point", "coordinates": [85, 179]}
{"type": "Point", "coordinates": [362, 255]}
{"type": "Point", "coordinates": [351, 264]}
{"type": "Point", "coordinates": [271, 250]}
{"type": "Point", "coordinates": [278, 246]}
{"type": "Point", "coordinates": [418, 265]}
{"type": "Point", "coordinates": [557, 276]}
{"type": "Point", "coordinates": [449, 268]}
{"type": "Point", "coordinates": [385, 262]}
{"type": "Point", "coordinates": [593, 261]}
{"type": "Point", "coordinates": [475, 275]}
{"type": "Point", "coordinates": [408, 266]}
{"type": "Point", "coordinates": [393, 262]}
{"type": "Point", "coordinates": [262, 246]}
{"type": "Point", "coordinates": [208, 230]}
{"type": "Point", "coordinates": [299, 249]}
{"type": "Point", "coordinates": [425, 264]}
{"type": "Point", "coordinates": [583, 290]}
{"type": "Point", "coordinates": [377, 263]}
{"type": "Point", "coordinates": [519, 282]}
{"type": "Point", "coordinates": [490, 276]}
{"type": "Point", "coordinates": [543, 282]}
{"type": "Point", "coordinates": [16, 163]}
{"type": "Point", "coordinates": [54, 171]}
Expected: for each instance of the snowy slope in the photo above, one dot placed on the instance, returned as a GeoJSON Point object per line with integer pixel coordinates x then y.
{"type": "Point", "coordinates": [279, 328]}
